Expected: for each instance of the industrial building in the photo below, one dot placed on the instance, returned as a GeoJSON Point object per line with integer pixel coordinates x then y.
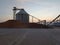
{"type": "Point", "coordinates": [21, 20]}
{"type": "Point", "coordinates": [23, 16]}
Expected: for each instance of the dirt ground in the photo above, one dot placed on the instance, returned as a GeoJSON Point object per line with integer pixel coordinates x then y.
{"type": "Point", "coordinates": [9, 36]}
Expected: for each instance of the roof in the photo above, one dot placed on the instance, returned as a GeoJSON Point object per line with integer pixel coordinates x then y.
{"type": "Point", "coordinates": [22, 11]}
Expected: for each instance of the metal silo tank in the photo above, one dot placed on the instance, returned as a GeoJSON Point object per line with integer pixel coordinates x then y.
{"type": "Point", "coordinates": [22, 16]}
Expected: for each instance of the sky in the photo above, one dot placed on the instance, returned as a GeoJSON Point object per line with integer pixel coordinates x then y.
{"type": "Point", "coordinates": [42, 9]}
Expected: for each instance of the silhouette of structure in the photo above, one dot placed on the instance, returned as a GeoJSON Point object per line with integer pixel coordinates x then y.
{"type": "Point", "coordinates": [21, 20]}
{"type": "Point", "coordinates": [57, 19]}
{"type": "Point", "coordinates": [55, 22]}
{"type": "Point", "coordinates": [23, 16]}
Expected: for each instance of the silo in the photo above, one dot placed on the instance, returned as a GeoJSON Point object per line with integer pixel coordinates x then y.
{"type": "Point", "coordinates": [22, 16]}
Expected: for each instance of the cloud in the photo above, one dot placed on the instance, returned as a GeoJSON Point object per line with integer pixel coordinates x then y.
{"type": "Point", "coordinates": [23, 1]}
{"type": "Point", "coordinates": [38, 1]}
{"type": "Point", "coordinates": [31, 1]}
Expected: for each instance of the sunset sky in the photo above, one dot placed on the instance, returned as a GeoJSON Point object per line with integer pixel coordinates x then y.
{"type": "Point", "coordinates": [42, 9]}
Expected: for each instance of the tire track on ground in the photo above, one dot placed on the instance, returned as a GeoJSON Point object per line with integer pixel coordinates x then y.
{"type": "Point", "coordinates": [19, 39]}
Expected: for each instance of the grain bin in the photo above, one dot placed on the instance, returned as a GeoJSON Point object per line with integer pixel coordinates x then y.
{"type": "Point", "coordinates": [22, 16]}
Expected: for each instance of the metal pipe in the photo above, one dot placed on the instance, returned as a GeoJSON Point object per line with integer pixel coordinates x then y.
{"type": "Point", "coordinates": [14, 12]}
{"type": "Point", "coordinates": [35, 18]}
